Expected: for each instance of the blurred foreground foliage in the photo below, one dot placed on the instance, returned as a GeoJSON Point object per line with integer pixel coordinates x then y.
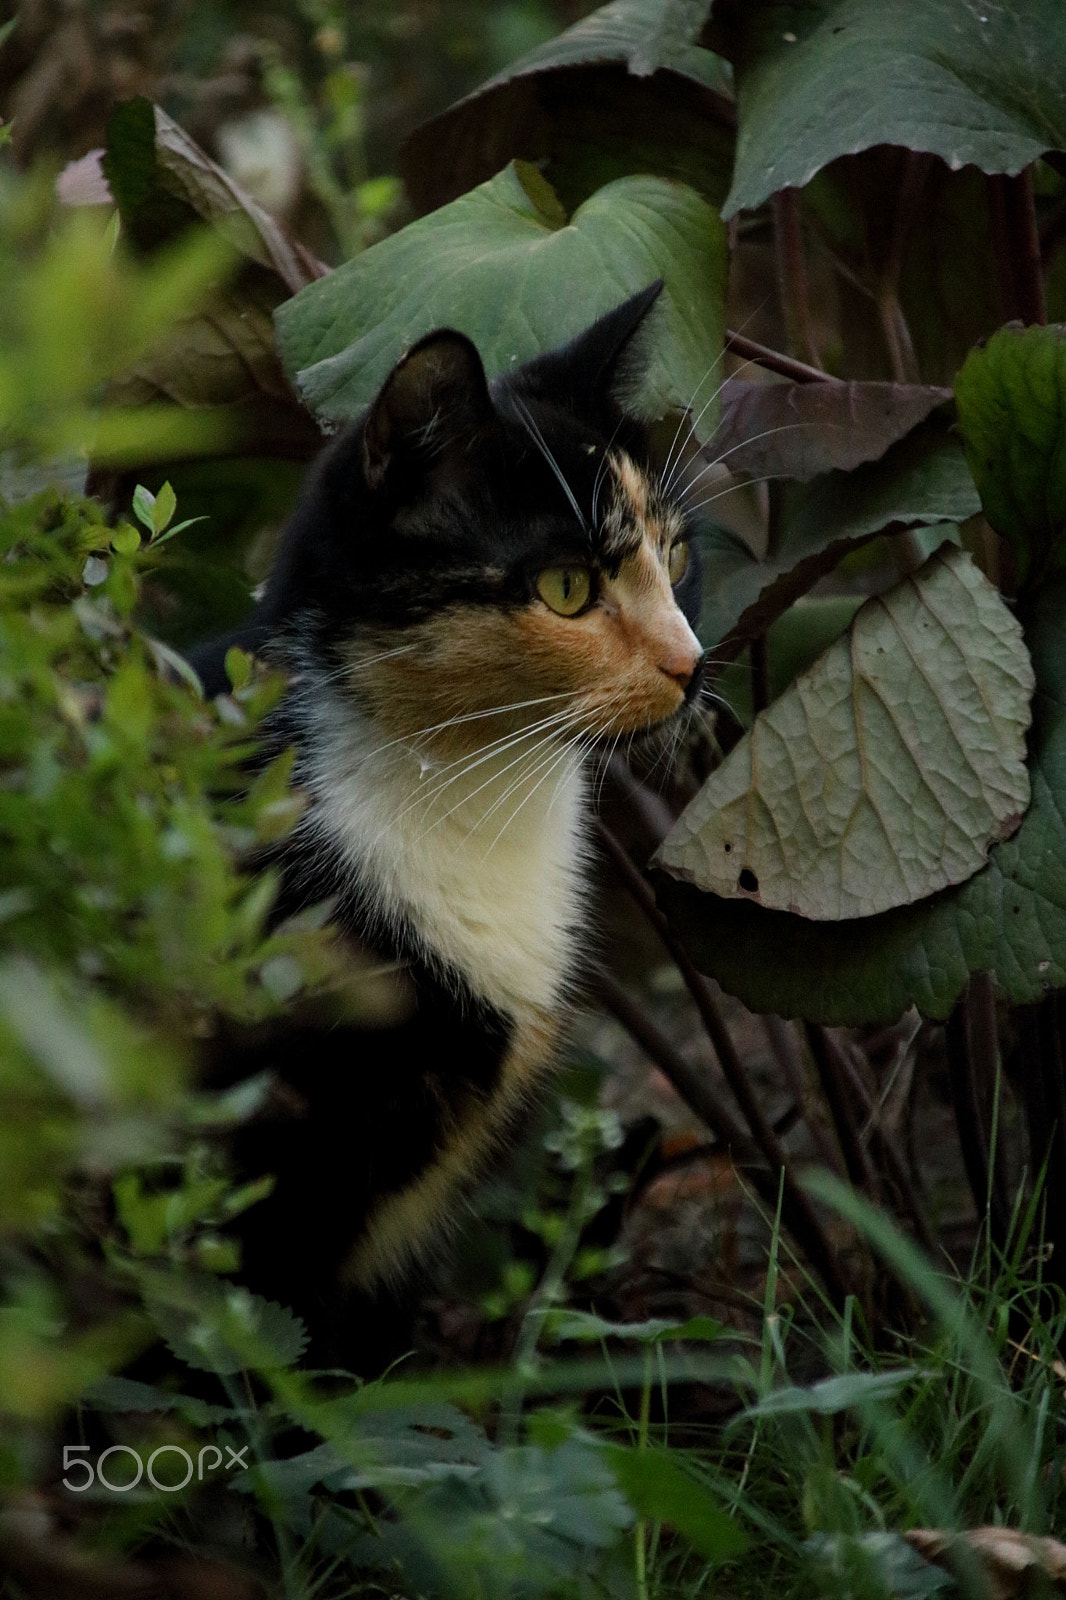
{"type": "Point", "coordinates": [130, 920]}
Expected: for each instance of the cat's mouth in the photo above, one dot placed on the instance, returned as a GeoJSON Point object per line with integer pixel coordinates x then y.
{"type": "Point", "coordinates": [658, 704]}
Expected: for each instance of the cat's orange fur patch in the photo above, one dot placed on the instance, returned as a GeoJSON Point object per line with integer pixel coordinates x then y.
{"type": "Point", "coordinates": [403, 1225]}
{"type": "Point", "coordinates": [474, 674]}
{"type": "Point", "coordinates": [634, 485]}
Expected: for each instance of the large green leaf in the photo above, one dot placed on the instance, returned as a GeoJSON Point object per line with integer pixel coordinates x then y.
{"type": "Point", "coordinates": [921, 480]}
{"type": "Point", "coordinates": [626, 89]}
{"type": "Point", "coordinates": [1009, 919]}
{"type": "Point", "coordinates": [644, 34]}
{"type": "Point", "coordinates": [886, 771]}
{"type": "Point", "coordinates": [1011, 396]}
{"type": "Point", "coordinates": [527, 1521]}
{"type": "Point", "coordinates": [817, 79]}
{"type": "Point", "coordinates": [504, 266]}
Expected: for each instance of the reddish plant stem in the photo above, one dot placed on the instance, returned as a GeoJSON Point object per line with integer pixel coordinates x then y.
{"type": "Point", "coordinates": [774, 361]}
{"type": "Point", "coordinates": [895, 1165]}
{"type": "Point", "coordinates": [792, 286]}
{"type": "Point", "coordinates": [1031, 268]}
{"type": "Point", "coordinates": [1016, 246]}
{"type": "Point", "coordinates": [1001, 248]}
{"type": "Point", "coordinates": [916, 168]}
{"type": "Point", "coordinates": [785, 1047]}
{"type": "Point", "coordinates": [828, 1059]}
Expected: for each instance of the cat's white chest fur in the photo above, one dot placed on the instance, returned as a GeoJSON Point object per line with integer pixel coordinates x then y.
{"type": "Point", "coordinates": [485, 859]}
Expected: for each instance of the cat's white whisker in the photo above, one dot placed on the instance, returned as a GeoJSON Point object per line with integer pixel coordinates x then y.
{"type": "Point", "coordinates": [720, 460]}
{"type": "Point", "coordinates": [409, 740]}
{"type": "Point", "coordinates": [466, 799]}
{"type": "Point", "coordinates": [542, 445]}
{"type": "Point", "coordinates": [667, 477]}
{"type": "Point", "coordinates": [747, 483]}
{"type": "Point", "coordinates": [475, 758]}
{"type": "Point", "coordinates": [669, 473]}
{"type": "Point", "coordinates": [360, 663]}
{"type": "Point", "coordinates": [601, 472]}
{"type": "Point", "coordinates": [559, 755]}
{"type": "Point", "coordinates": [342, 671]}
{"type": "Point", "coordinates": [540, 761]}
{"type": "Point", "coordinates": [533, 759]}
{"type": "Point", "coordinates": [547, 732]}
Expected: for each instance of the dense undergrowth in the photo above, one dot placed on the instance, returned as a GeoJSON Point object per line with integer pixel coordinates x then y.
{"type": "Point", "coordinates": [874, 1393]}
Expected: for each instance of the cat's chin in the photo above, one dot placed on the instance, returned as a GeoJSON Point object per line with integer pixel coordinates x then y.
{"type": "Point", "coordinates": [644, 735]}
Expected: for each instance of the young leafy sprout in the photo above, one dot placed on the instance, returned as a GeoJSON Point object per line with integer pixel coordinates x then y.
{"type": "Point", "coordinates": [154, 512]}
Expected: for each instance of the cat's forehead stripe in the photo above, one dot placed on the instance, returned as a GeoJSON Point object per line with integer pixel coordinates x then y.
{"type": "Point", "coordinates": [633, 484]}
{"type": "Point", "coordinates": [636, 514]}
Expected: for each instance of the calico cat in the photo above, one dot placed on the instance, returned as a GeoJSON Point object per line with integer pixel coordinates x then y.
{"type": "Point", "coordinates": [482, 585]}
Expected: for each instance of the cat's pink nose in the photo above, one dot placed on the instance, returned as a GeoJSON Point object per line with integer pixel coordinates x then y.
{"type": "Point", "coordinates": [685, 666]}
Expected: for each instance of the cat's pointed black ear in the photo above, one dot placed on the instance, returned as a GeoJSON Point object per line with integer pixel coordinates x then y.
{"type": "Point", "coordinates": [434, 403]}
{"type": "Point", "coordinates": [589, 371]}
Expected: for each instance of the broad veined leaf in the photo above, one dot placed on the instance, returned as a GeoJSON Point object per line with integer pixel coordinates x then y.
{"type": "Point", "coordinates": [922, 480]}
{"type": "Point", "coordinates": [1008, 920]}
{"type": "Point", "coordinates": [817, 79]}
{"type": "Point", "coordinates": [886, 772]}
{"type": "Point", "coordinates": [529, 1520]}
{"type": "Point", "coordinates": [627, 89]}
{"type": "Point", "coordinates": [505, 266]}
{"type": "Point", "coordinates": [1011, 395]}
{"type": "Point", "coordinates": [799, 430]}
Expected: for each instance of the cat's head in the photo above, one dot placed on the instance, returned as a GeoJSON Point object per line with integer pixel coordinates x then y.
{"type": "Point", "coordinates": [482, 557]}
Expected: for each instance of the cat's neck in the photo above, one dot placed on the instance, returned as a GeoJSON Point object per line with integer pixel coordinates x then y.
{"type": "Point", "coordinates": [483, 859]}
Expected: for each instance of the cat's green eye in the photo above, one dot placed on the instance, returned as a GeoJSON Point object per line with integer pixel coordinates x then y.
{"type": "Point", "coordinates": [566, 589]}
{"type": "Point", "coordinates": [677, 561]}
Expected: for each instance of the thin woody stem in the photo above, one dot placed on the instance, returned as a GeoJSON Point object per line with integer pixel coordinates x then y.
{"type": "Point", "coordinates": [1016, 246]}
{"type": "Point", "coordinates": [774, 361]}
{"type": "Point", "coordinates": [802, 1219]}
{"type": "Point", "coordinates": [792, 289]}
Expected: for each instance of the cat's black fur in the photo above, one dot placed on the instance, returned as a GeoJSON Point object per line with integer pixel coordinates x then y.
{"type": "Point", "coordinates": [332, 564]}
{"type": "Point", "coordinates": [439, 502]}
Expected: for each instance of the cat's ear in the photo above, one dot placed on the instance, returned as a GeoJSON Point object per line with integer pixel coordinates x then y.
{"type": "Point", "coordinates": [434, 405]}
{"type": "Point", "coordinates": [589, 371]}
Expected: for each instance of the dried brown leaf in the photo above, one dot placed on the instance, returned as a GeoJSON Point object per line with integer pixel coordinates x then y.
{"type": "Point", "coordinates": [1010, 1560]}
